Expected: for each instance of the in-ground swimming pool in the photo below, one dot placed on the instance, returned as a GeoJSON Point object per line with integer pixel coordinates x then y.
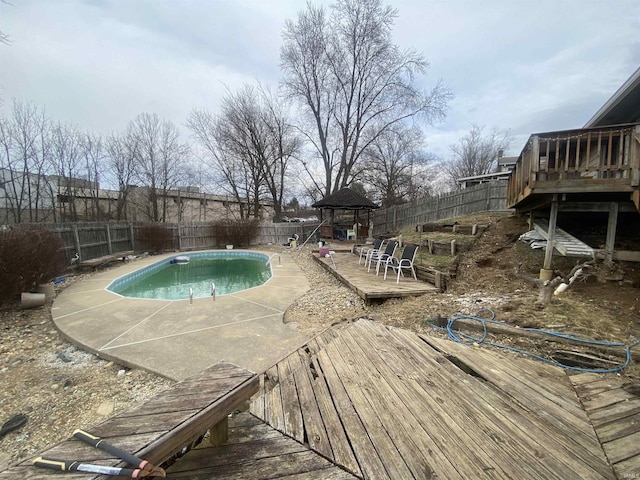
{"type": "Point", "coordinates": [229, 271]}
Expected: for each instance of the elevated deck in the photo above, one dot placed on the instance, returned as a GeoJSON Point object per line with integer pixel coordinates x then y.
{"type": "Point", "coordinates": [604, 161]}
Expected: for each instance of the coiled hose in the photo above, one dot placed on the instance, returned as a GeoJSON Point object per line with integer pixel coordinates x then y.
{"type": "Point", "coordinates": [465, 338]}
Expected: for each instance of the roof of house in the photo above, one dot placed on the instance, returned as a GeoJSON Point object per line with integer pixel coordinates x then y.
{"type": "Point", "coordinates": [623, 106]}
{"type": "Point", "coordinates": [345, 199]}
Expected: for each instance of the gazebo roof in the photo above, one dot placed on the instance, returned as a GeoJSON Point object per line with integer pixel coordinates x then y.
{"type": "Point", "coordinates": [345, 199]}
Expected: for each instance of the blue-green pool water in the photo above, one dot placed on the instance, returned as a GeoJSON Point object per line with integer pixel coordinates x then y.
{"type": "Point", "coordinates": [230, 272]}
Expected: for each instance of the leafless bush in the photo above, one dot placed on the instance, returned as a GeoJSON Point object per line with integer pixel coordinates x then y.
{"type": "Point", "coordinates": [154, 238]}
{"type": "Point", "coordinates": [28, 256]}
{"type": "Point", "coordinates": [236, 232]}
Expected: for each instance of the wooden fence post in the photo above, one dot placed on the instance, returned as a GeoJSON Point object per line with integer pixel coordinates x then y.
{"type": "Point", "coordinates": [133, 237]}
{"type": "Point", "coordinates": [453, 247]}
{"type": "Point", "coordinates": [488, 187]}
{"type": "Point", "coordinates": [109, 246]}
{"type": "Point", "coordinates": [76, 239]}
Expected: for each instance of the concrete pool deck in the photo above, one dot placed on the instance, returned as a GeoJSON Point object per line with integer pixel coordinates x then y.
{"type": "Point", "coordinates": [176, 339]}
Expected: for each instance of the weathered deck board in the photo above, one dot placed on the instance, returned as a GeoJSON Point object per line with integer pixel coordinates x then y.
{"type": "Point", "coordinates": [409, 412]}
{"type": "Point", "coordinates": [368, 285]}
{"type": "Point", "coordinates": [517, 426]}
{"type": "Point", "coordinates": [553, 397]}
{"type": "Point", "coordinates": [159, 428]}
{"type": "Point", "coordinates": [615, 414]}
{"type": "Point", "coordinates": [255, 451]}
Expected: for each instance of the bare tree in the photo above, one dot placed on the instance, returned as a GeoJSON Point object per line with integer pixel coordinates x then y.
{"type": "Point", "coordinates": [160, 157]}
{"type": "Point", "coordinates": [93, 156]}
{"type": "Point", "coordinates": [66, 163]}
{"type": "Point", "coordinates": [24, 145]}
{"type": "Point", "coordinates": [353, 82]}
{"type": "Point", "coordinates": [225, 169]}
{"type": "Point", "coordinates": [283, 145]}
{"type": "Point", "coordinates": [396, 166]}
{"type": "Point", "coordinates": [122, 153]}
{"type": "Point", "coordinates": [250, 145]}
{"type": "Point", "coordinates": [476, 153]}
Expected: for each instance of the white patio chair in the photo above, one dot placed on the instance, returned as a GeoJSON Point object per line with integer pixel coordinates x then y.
{"type": "Point", "coordinates": [405, 262]}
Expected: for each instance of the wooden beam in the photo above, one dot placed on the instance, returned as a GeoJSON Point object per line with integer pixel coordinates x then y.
{"type": "Point", "coordinates": [588, 157]}
{"type": "Point", "coordinates": [609, 146]}
{"type": "Point", "coordinates": [553, 217]}
{"type": "Point", "coordinates": [611, 231]}
{"type": "Point", "coordinates": [577, 164]}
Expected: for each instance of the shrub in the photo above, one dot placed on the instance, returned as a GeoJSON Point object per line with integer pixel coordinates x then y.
{"type": "Point", "coordinates": [29, 256]}
{"type": "Point", "coordinates": [236, 232]}
{"type": "Point", "coordinates": [154, 238]}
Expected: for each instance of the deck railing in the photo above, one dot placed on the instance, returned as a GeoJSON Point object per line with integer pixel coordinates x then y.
{"type": "Point", "coordinates": [578, 161]}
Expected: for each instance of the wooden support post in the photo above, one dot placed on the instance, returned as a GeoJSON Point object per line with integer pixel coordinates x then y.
{"type": "Point", "coordinates": [474, 229]}
{"type": "Point", "coordinates": [553, 217]}
{"type": "Point", "coordinates": [612, 225]}
{"type": "Point", "coordinates": [453, 247]}
{"type": "Point", "coordinates": [219, 433]}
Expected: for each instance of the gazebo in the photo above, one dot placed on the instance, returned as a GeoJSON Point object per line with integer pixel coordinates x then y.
{"type": "Point", "coordinates": [345, 199]}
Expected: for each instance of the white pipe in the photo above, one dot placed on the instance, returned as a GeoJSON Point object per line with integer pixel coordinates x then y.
{"type": "Point", "coordinates": [190, 295]}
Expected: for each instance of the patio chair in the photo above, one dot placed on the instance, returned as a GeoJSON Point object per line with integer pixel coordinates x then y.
{"type": "Point", "coordinates": [366, 251]}
{"type": "Point", "coordinates": [404, 263]}
{"type": "Point", "coordinates": [380, 256]}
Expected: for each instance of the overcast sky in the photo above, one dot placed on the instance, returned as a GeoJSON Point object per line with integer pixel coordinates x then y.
{"type": "Point", "coordinates": [530, 66]}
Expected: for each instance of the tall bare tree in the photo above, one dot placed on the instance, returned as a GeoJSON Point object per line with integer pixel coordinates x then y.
{"type": "Point", "coordinates": [66, 164]}
{"type": "Point", "coordinates": [396, 165]}
{"type": "Point", "coordinates": [476, 153]}
{"type": "Point", "coordinates": [225, 170]}
{"type": "Point", "coordinates": [93, 156]}
{"type": "Point", "coordinates": [24, 152]}
{"type": "Point", "coordinates": [161, 160]}
{"type": "Point", "coordinates": [353, 83]}
{"type": "Point", "coordinates": [122, 154]}
{"type": "Point", "coordinates": [250, 144]}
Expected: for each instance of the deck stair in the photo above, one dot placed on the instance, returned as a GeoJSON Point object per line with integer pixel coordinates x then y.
{"type": "Point", "coordinates": [566, 244]}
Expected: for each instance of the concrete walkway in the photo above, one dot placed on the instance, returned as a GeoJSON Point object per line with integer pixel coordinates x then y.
{"type": "Point", "coordinates": [176, 339]}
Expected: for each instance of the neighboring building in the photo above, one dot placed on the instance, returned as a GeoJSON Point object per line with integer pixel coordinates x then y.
{"type": "Point", "coordinates": [53, 198]}
{"type": "Point", "coordinates": [504, 166]}
{"type": "Point", "coordinates": [182, 205]}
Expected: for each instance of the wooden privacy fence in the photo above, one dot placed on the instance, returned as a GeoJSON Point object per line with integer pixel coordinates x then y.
{"type": "Point", "coordinates": [95, 240]}
{"type": "Point", "coordinates": [486, 197]}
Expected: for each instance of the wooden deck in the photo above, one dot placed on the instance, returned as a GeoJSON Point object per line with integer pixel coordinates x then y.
{"type": "Point", "coordinates": [388, 403]}
{"type": "Point", "coordinates": [364, 400]}
{"type": "Point", "coordinates": [614, 411]}
{"type": "Point", "coordinates": [255, 451]}
{"type": "Point", "coordinates": [345, 267]}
